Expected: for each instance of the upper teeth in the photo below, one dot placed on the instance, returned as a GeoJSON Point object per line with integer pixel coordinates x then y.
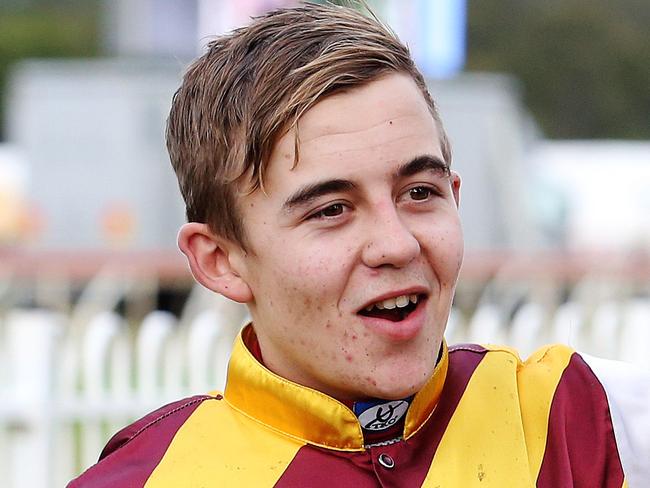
{"type": "Point", "coordinates": [390, 303]}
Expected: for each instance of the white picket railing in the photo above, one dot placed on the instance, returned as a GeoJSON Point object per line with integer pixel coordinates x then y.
{"type": "Point", "coordinates": [67, 382]}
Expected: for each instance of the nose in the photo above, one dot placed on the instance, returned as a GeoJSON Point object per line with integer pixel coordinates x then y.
{"type": "Point", "coordinates": [389, 241]}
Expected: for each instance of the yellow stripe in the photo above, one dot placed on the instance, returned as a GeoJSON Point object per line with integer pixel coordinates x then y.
{"type": "Point", "coordinates": [538, 380]}
{"type": "Point", "coordinates": [625, 484]}
{"type": "Point", "coordinates": [218, 446]}
{"type": "Point", "coordinates": [484, 444]}
{"type": "Point", "coordinates": [497, 435]}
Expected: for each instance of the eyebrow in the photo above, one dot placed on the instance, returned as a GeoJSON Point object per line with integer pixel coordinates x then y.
{"type": "Point", "coordinates": [316, 190]}
{"type": "Point", "coordinates": [309, 193]}
{"type": "Point", "coordinates": [426, 162]}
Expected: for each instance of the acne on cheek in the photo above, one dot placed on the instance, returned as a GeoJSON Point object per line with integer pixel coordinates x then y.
{"type": "Point", "coordinates": [370, 380]}
{"type": "Point", "coordinates": [346, 354]}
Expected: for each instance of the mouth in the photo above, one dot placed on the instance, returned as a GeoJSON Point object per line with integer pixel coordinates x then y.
{"type": "Point", "coordinates": [394, 309]}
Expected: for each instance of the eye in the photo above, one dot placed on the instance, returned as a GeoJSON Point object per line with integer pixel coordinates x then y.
{"type": "Point", "coordinates": [420, 193]}
{"type": "Point", "coordinates": [330, 211]}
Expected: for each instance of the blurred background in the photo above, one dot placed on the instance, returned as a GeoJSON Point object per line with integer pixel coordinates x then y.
{"type": "Point", "coordinates": [547, 105]}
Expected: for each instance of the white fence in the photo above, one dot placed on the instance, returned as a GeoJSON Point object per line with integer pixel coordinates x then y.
{"type": "Point", "coordinates": [68, 381]}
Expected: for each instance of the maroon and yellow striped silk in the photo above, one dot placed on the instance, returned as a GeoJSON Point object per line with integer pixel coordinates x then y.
{"type": "Point", "coordinates": [484, 419]}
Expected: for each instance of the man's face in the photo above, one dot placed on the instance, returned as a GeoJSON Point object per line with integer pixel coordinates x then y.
{"type": "Point", "coordinates": [355, 252]}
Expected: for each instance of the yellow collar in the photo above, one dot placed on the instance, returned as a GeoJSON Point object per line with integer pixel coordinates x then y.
{"type": "Point", "coordinates": [306, 414]}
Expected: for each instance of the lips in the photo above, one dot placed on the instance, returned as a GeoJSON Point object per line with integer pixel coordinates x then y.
{"type": "Point", "coordinates": [401, 322]}
{"type": "Point", "coordinates": [390, 303]}
{"type": "Point", "coordinates": [394, 309]}
{"type": "Point", "coordinates": [395, 299]}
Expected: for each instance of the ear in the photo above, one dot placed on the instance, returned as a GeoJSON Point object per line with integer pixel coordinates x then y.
{"type": "Point", "coordinates": [211, 261]}
{"type": "Point", "coordinates": [455, 187]}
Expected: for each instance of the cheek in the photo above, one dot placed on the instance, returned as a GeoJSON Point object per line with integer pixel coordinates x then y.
{"type": "Point", "coordinates": [445, 249]}
{"type": "Point", "coordinates": [322, 268]}
{"type": "Point", "coordinates": [313, 269]}
{"type": "Point", "coordinates": [456, 248]}
{"type": "Point", "coordinates": [300, 280]}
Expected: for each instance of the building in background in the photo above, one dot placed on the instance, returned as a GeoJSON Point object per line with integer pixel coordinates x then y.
{"type": "Point", "coordinates": [597, 191]}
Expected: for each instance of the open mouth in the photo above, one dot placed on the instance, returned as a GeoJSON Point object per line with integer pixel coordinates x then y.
{"type": "Point", "coordinates": [393, 309]}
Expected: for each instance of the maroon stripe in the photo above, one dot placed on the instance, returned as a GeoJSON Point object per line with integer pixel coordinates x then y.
{"type": "Point", "coordinates": [421, 448]}
{"type": "Point", "coordinates": [132, 454]}
{"type": "Point", "coordinates": [316, 467]}
{"type": "Point", "coordinates": [581, 448]}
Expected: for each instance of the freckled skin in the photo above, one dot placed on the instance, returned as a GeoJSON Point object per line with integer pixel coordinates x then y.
{"type": "Point", "coordinates": [309, 276]}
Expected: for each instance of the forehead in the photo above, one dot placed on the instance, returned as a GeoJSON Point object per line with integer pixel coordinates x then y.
{"type": "Point", "coordinates": [364, 107]}
{"type": "Point", "coordinates": [384, 120]}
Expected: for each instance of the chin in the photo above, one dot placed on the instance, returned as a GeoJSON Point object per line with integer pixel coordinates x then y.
{"type": "Point", "coordinates": [396, 392]}
{"type": "Point", "coordinates": [401, 378]}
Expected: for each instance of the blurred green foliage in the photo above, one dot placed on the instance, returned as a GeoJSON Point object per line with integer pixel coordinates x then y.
{"type": "Point", "coordinates": [45, 29]}
{"type": "Point", "coordinates": [583, 64]}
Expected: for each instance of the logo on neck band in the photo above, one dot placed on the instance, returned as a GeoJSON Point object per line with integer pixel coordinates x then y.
{"type": "Point", "coordinates": [376, 416]}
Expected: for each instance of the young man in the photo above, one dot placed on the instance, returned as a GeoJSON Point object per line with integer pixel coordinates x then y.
{"type": "Point", "coordinates": [316, 174]}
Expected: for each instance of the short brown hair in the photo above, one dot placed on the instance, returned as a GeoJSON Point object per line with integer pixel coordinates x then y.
{"type": "Point", "coordinates": [251, 87]}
